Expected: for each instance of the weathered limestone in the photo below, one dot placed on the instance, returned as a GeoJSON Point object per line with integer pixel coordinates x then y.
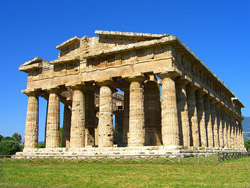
{"type": "Point", "coordinates": [136, 114]}
{"type": "Point", "coordinates": [208, 121]}
{"type": "Point", "coordinates": [152, 108]}
{"type": "Point", "coordinates": [183, 112]}
{"type": "Point", "coordinates": [171, 100]}
{"type": "Point", "coordinates": [90, 117]}
{"type": "Point", "coordinates": [53, 121]}
{"type": "Point", "coordinates": [125, 117]}
{"type": "Point", "coordinates": [66, 127]}
{"type": "Point", "coordinates": [170, 130]}
{"type": "Point", "coordinates": [192, 114]}
{"type": "Point", "coordinates": [215, 125]}
{"type": "Point", "coordinates": [77, 133]}
{"type": "Point", "coordinates": [220, 126]}
{"type": "Point", "coordinates": [105, 126]}
{"type": "Point", "coordinates": [31, 129]}
{"type": "Point", "coordinates": [201, 117]}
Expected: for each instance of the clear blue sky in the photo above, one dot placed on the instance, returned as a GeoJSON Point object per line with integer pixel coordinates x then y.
{"type": "Point", "coordinates": [218, 32]}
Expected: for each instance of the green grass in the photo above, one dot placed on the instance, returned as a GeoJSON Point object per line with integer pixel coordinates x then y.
{"type": "Point", "coordinates": [40, 173]}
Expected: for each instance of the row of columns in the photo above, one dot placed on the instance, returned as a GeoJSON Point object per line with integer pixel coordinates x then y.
{"type": "Point", "coordinates": [187, 116]}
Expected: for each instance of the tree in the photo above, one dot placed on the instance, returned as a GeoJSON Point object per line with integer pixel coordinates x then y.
{"type": "Point", "coordinates": [1, 137]}
{"type": "Point", "coordinates": [9, 147]}
{"type": "Point", "coordinates": [247, 144]}
{"type": "Point", "coordinates": [17, 137]}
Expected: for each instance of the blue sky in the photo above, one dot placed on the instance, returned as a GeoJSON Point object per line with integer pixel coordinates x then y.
{"type": "Point", "coordinates": [216, 31]}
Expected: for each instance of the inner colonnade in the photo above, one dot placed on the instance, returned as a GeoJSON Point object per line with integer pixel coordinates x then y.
{"type": "Point", "coordinates": [162, 95]}
{"type": "Point", "coordinates": [182, 114]}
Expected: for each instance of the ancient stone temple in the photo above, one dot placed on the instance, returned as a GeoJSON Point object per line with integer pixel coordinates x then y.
{"type": "Point", "coordinates": [129, 93]}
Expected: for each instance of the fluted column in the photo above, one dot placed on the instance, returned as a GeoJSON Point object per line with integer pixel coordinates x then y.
{"type": "Point", "coordinates": [225, 128]}
{"type": "Point", "coordinates": [125, 117]}
{"type": "Point", "coordinates": [242, 144]}
{"type": "Point", "coordinates": [207, 106]}
{"type": "Point", "coordinates": [232, 132]}
{"type": "Point", "coordinates": [215, 124]}
{"type": "Point", "coordinates": [170, 130]}
{"type": "Point", "coordinates": [192, 113]}
{"type": "Point", "coordinates": [152, 109]}
{"type": "Point", "coordinates": [77, 134]}
{"type": "Point", "coordinates": [66, 127]}
{"type": "Point", "coordinates": [228, 130]}
{"type": "Point", "coordinates": [201, 117]}
{"type": "Point", "coordinates": [220, 125]}
{"type": "Point", "coordinates": [183, 112]}
{"type": "Point", "coordinates": [31, 128]}
{"type": "Point", "coordinates": [90, 117]}
{"type": "Point", "coordinates": [136, 114]}
{"type": "Point", "coordinates": [53, 121]}
{"type": "Point", "coordinates": [105, 126]}
{"type": "Point", "coordinates": [118, 127]}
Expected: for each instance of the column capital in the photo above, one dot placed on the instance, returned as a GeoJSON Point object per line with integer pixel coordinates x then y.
{"type": "Point", "coordinates": [172, 74]}
{"type": "Point", "coordinates": [140, 79]}
{"type": "Point", "coordinates": [202, 91]}
{"type": "Point", "coordinates": [209, 97]}
{"type": "Point", "coordinates": [35, 93]}
{"type": "Point", "coordinates": [52, 90]}
{"type": "Point", "coordinates": [184, 80]}
{"type": "Point", "coordinates": [193, 86]}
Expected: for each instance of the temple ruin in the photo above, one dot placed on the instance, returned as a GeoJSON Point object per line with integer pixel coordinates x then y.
{"type": "Point", "coordinates": [163, 97]}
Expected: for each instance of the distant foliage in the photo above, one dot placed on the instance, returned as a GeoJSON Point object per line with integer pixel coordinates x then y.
{"type": "Point", "coordinates": [17, 137]}
{"type": "Point", "coordinates": [1, 137]}
{"type": "Point", "coordinates": [41, 145]}
{"type": "Point", "coordinates": [10, 145]}
{"type": "Point", "coordinates": [247, 144]}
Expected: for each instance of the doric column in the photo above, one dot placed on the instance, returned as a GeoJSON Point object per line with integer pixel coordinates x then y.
{"type": "Point", "coordinates": [207, 106]}
{"type": "Point", "coordinates": [242, 144]}
{"type": "Point", "coordinates": [53, 121]}
{"type": "Point", "coordinates": [136, 113]}
{"type": "Point", "coordinates": [169, 114]}
{"type": "Point", "coordinates": [220, 125]}
{"type": "Point", "coordinates": [183, 112]}
{"type": "Point", "coordinates": [66, 126]}
{"type": "Point", "coordinates": [125, 117]}
{"type": "Point", "coordinates": [105, 126]}
{"type": "Point", "coordinates": [192, 113]}
{"type": "Point", "coordinates": [152, 109]}
{"type": "Point", "coordinates": [90, 117]}
{"type": "Point", "coordinates": [236, 134]}
{"type": "Point", "coordinates": [31, 128]}
{"type": "Point", "coordinates": [118, 127]}
{"type": "Point", "coordinates": [215, 124]}
{"type": "Point", "coordinates": [225, 128]}
{"type": "Point", "coordinates": [77, 133]}
{"type": "Point", "coordinates": [201, 117]}
{"type": "Point", "coordinates": [228, 129]}
{"type": "Point", "coordinates": [232, 132]}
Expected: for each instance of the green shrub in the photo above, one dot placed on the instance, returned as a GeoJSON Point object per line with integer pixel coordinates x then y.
{"type": "Point", "coordinates": [41, 145]}
{"type": "Point", "coordinates": [9, 147]}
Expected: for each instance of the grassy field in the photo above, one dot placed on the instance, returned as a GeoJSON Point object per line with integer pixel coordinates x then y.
{"type": "Point", "coordinates": [20, 173]}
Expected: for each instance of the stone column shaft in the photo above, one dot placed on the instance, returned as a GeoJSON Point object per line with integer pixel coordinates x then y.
{"type": "Point", "coordinates": [215, 125]}
{"type": "Point", "coordinates": [90, 118]}
{"type": "Point", "coordinates": [192, 113]}
{"type": "Point", "coordinates": [105, 127]}
{"type": "Point", "coordinates": [201, 118]}
{"type": "Point", "coordinates": [53, 122]}
{"type": "Point", "coordinates": [209, 125]}
{"type": "Point", "coordinates": [228, 131]}
{"type": "Point", "coordinates": [31, 128]}
{"type": "Point", "coordinates": [66, 127]}
{"type": "Point", "coordinates": [170, 130]}
{"type": "Point", "coordinates": [220, 127]}
{"type": "Point", "coordinates": [77, 134]}
{"type": "Point", "coordinates": [136, 115]}
{"type": "Point", "coordinates": [152, 109]}
{"type": "Point", "coordinates": [125, 117]}
{"type": "Point", "coordinates": [183, 113]}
